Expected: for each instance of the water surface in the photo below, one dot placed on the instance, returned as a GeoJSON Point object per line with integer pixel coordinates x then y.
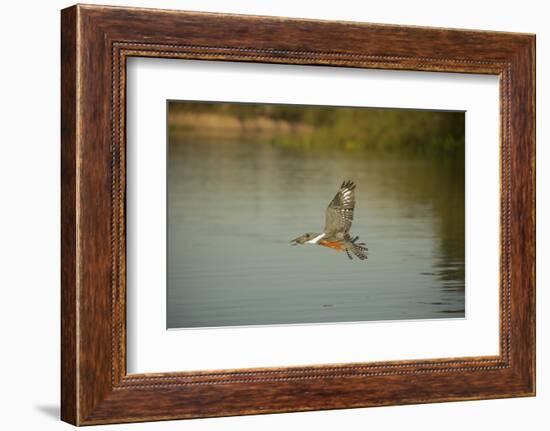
{"type": "Point", "coordinates": [235, 203]}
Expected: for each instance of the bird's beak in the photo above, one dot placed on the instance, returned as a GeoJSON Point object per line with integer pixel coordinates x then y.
{"type": "Point", "coordinates": [295, 241]}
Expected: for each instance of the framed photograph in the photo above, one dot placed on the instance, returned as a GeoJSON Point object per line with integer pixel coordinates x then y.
{"type": "Point", "coordinates": [263, 214]}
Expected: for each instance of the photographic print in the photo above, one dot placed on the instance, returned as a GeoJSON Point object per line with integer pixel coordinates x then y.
{"type": "Point", "coordinates": [301, 214]}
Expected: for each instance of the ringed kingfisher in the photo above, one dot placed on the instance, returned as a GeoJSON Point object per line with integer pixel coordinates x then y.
{"type": "Point", "coordinates": [339, 216]}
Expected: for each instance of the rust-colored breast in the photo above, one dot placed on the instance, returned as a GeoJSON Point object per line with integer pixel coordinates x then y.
{"type": "Point", "coordinates": [336, 245]}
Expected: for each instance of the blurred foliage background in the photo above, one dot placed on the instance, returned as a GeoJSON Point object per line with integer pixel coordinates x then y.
{"type": "Point", "coordinates": [380, 130]}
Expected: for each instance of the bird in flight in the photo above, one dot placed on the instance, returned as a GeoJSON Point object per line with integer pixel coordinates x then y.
{"type": "Point", "coordinates": [339, 217]}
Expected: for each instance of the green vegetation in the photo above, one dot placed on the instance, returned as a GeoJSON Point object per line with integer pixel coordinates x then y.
{"type": "Point", "coordinates": [314, 127]}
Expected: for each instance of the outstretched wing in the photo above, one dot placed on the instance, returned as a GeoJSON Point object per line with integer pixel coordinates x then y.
{"type": "Point", "coordinates": [340, 210]}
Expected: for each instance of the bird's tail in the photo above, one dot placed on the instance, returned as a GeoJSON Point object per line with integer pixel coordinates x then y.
{"type": "Point", "coordinates": [357, 248]}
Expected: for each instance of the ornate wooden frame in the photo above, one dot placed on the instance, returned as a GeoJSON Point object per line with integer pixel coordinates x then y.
{"type": "Point", "coordinates": [95, 43]}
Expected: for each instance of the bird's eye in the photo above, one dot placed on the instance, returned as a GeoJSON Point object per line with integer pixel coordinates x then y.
{"type": "Point", "coordinates": [307, 235]}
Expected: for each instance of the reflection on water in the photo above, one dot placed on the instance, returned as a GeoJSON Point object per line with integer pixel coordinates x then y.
{"type": "Point", "coordinates": [234, 205]}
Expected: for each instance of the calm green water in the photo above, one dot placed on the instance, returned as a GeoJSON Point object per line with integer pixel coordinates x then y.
{"type": "Point", "coordinates": [234, 205]}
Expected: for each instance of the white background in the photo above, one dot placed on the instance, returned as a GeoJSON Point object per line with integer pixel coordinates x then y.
{"type": "Point", "coordinates": [29, 225]}
{"type": "Point", "coordinates": [152, 349]}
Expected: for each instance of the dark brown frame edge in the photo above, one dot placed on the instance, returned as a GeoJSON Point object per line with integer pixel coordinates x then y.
{"type": "Point", "coordinates": [95, 43]}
